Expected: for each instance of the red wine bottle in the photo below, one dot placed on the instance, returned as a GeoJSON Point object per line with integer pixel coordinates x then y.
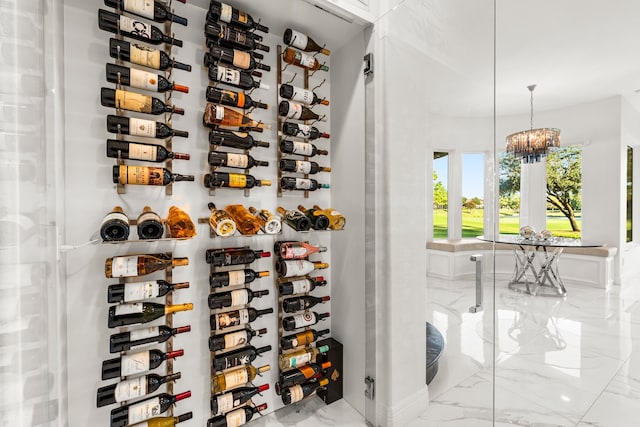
{"type": "Point", "coordinates": [234, 160]}
{"type": "Point", "coordinates": [301, 374]}
{"type": "Point", "coordinates": [143, 55]}
{"type": "Point", "coordinates": [233, 256]}
{"type": "Point", "coordinates": [302, 184]}
{"type": "Point", "coordinates": [237, 417]}
{"type": "Point", "coordinates": [226, 35]}
{"type": "Point", "coordinates": [145, 409]}
{"type": "Point", "coordinates": [241, 140]}
{"type": "Point", "coordinates": [132, 389]}
{"type": "Point", "coordinates": [234, 298]}
{"type": "Point", "coordinates": [136, 363]}
{"type": "Point", "coordinates": [299, 94]}
{"type": "Point", "coordinates": [146, 175]}
{"type": "Point", "coordinates": [300, 391]}
{"type": "Point", "coordinates": [301, 148]}
{"type": "Point", "coordinates": [139, 151]}
{"type": "Point", "coordinates": [233, 180]}
{"type": "Point", "coordinates": [220, 55]}
{"type": "Point", "coordinates": [301, 338]}
{"type": "Point", "coordinates": [219, 11]}
{"type": "Point", "coordinates": [232, 98]}
{"type": "Point", "coordinates": [302, 166]}
{"type": "Point", "coordinates": [236, 317]}
{"type": "Point", "coordinates": [235, 277]}
{"type": "Point", "coordinates": [302, 320]}
{"type": "Point", "coordinates": [132, 101]}
{"type": "Point", "coordinates": [149, 9]}
{"type": "Point", "coordinates": [301, 286]}
{"type": "Point", "coordinates": [140, 291]}
{"type": "Point", "coordinates": [223, 403]}
{"type": "Point", "coordinates": [302, 131]}
{"type": "Point", "coordinates": [155, 334]}
{"type": "Point", "coordinates": [233, 339]}
{"type": "Point", "coordinates": [240, 357]}
{"type": "Point", "coordinates": [291, 305]}
{"type": "Point", "coordinates": [237, 78]}
{"type": "Point", "coordinates": [139, 79]}
{"type": "Point", "coordinates": [139, 30]}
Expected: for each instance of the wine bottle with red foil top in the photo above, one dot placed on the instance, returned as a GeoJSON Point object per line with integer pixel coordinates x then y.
{"type": "Point", "coordinates": [233, 256]}
{"type": "Point", "coordinates": [240, 357]}
{"type": "Point", "coordinates": [141, 312]}
{"type": "Point", "coordinates": [233, 339]}
{"type": "Point", "coordinates": [150, 9]}
{"type": "Point", "coordinates": [139, 79]}
{"type": "Point", "coordinates": [219, 115]}
{"type": "Point", "coordinates": [226, 402]}
{"type": "Point", "coordinates": [140, 151]}
{"type": "Point", "coordinates": [234, 278]}
{"type": "Point", "coordinates": [291, 305]}
{"type": "Point", "coordinates": [302, 60]}
{"type": "Point", "coordinates": [237, 78]}
{"type": "Point", "coordinates": [302, 131]}
{"type": "Point", "coordinates": [141, 127]}
{"type": "Point", "coordinates": [226, 35]}
{"type": "Point", "coordinates": [240, 140]}
{"type": "Point", "coordinates": [302, 320]}
{"type": "Point", "coordinates": [145, 409]}
{"type": "Point", "coordinates": [233, 180]}
{"type": "Point", "coordinates": [234, 160]}
{"type": "Point", "coordinates": [298, 94]}
{"type": "Point", "coordinates": [295, 111]}
{"type": "Point", "coordinates": [133, 28]}
{"type": "Point", "coordinates": [300, 148]}
{"type": "Point", "coordinates": [302, 374]}
{"type": "Point", "coordinates": [319, 220]}
{"type": "Point", "coordinates": [302, 338]}
{"type": "Point", "coordinates": [303, 42]}
{"type": "Point", "coordinates": [240, 317]}
{"type": "Point", "coordinates": [124, 341]}
{"type": "Point", "coordinates": [219, 11]}
{"type": "Point", "coordinates": [301, 286]}
{"type": "Point", "coordinates": [235, 377]}
{"type": "Point", "coordinates": [232, 98]}
{"type": "Point", "coordinates": [301, 184]}
{"type": "Point", "coordinates": [140, 265]}
{"type": "Point", "coordinates": [234, 298]}
{"type": "Point", "coordinates": [132, 389]}
{"type": "Point", "coordinates": [146, 175]}
{"type": "Point", "coordinates": [143, 55]}
{"type": "Point", "coordinates": [220, 55]}
{"type": "Point", "coordinates": [297, 250]}
{"type": "Point", "coordinates": [136, 102]}
{"type": "Point", "coordinates": [136, 363]}
{"type": "Point", "coordinates": [301, 391]}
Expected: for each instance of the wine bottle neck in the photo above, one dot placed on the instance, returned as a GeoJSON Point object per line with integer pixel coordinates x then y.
{"type": "Point", "coordinates": [174, 354]}
{"type": "Point", "coordinates": [178, 307]}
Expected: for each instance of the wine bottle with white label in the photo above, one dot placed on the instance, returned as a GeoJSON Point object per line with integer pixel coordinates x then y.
{"type": "Point", "coordinates": [233, 339]}
{"type": "Point", "coordinates": [295, 111]}
{"type": "Point", "coordinates": [291, 305]}
{"type": "Point", "coordinates": [141, 312]}
{"type": "Point", "coordinates": [298, 94]}
{"type": "Point", "coordinates": [226, 402]}
{"type": "Point", "coordinates": [115, 226]}
{"type": "Point", "coordinates": [301, 184]}
{"type": "Point", "coordinates": [233, 180]}
{"type": "Point", "coordinates": [308, 62]}
{"type": "Point", "coordinates": [269, 223]}
{"type": "Point", "coordinates": [129, 27]}
{"type": "Point", "coordinates": [240, 317]}
{"type": "Point", "coordinates": [235, 377]}
{"type": "Point", "coordinates": [145, 409]}
{"type": "Point", "coordinates": [220, 55]}
{"type": "Point", "coordinates": [143, 55]}
{"type": "Point", "coordinates": [300, 357]}
{"type": "Point", "coordinates": [146, 175]}
{"type": "Point", "coordinates": [301, 148]}
{"type": "Point", "coordinates": [232, 98]}
{"type": "Point", "coordinates": [219, 115]}
{"type": "Point", "coordinates": [240, 357]}
{"type": "Point", "coordinates": [136, 363]}
{"type": "Point", "coordinates": [302, 131]}
{"type": "Point", "coordinates": [298, 267]}
{"type": "Point", "coordinates": [302, 166]}
{"type": "Point", "coordinates": [220, 222]}
{"type": "Point", "coordinates": [150, 9]}
{"type": "Point", "coordinates": [234, 160]}
{"type": "Point", "coordinates": [132, 101]}
{"type": "Point", "coordinates": [234, 278]}
{"type": "Point", "coordinates": [301, 338]}
{"type": "Point", "coordinates": [301, 391]}
{"type": "Point", "coordinates": [303, 42]}
{"type": "Point", "coordinates": [124, 341]}
{"type": "Point", "coordinates": [227, 35]}
{"type": "Point", "coordinates": [234, 298]}
{"type": "Point", "coordinates": [240, 140]}
{"type": "Point", "coordinates": [237, 417]}
{"type": "Point", "coordinates": [139, 79]}
{"type": "Point", "coordinates": [149, 224]}
{"type": "Point", "coordinates": [141, 127]}
{"type": "Point", "coordinates": [237, 78]}
{"type": "Point", "coordinates": [219, 11]}
{"type": "Point", "coordinates": [132, 389]}
{"type": "Point", "coordinates": [140, 265]}
{"type": "Point", "coordinates": [139, 151]}
{"type": "Point", "coordinates": [302, 320]}
{"type": "Point", "coordinates": [140, 291]}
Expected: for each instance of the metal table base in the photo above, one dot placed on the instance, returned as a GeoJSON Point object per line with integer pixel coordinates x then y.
{"type": "Point", "coordinates": [536, 271]}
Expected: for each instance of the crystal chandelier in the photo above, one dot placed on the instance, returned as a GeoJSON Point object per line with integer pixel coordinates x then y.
{"type": "Point", "coordinates": [533, 144]}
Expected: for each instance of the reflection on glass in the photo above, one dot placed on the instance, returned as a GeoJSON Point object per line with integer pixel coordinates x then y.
{"type": "Point", "coordinates": [472, 194]}
{"type": "Point", "coordinates": [440, 195]}
{"type": "Point", "coordinates": [509, 196]}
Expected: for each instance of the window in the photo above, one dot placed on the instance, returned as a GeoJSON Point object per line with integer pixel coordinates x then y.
{"type": "Point", "coordinates": [472, 194]}
{"type": "Point", "coordinates": [629, 194]}
{"type": "Point", "coordinates": [564, 191]}
{"type": "Point", "coordinates": [509, 193]}
{"type": "Point", "coordinates": [440, 195]}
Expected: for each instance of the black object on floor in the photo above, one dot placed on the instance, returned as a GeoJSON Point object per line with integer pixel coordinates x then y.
{"type": "Point", "coordinates": [435, 347]}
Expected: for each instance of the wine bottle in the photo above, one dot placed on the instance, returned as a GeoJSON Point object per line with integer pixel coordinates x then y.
{"type": "Point", "coordinates": [139, 79]}
{"type": "Point", "coordinates": [233, 180]}
{"type": "Point", "coordinates": [241, 140]}
{"type": "Point", "coordinates": [298, 94]}
{"type": "Point", "coordinates": [302, 184]}
{"type": "Point", "coordinates": [337, 221]}
{"type": "Point", "coordinates": [136, 363]}
{"type": "Point", "coordinates": [140, 151]}
{"type": "Point", "coordinates": [140, 265]}
{"type": "Point", "coordinates": [143, 55]}
{"type": "Point", "coordinates": [115, 226]}
{"type": "Point", "coordinates": [221, 222]}
{"type": "Point", "coordinates": [141, 312]}
{"type": "Point", "coordinates": [298, 267]}
{"type": "Point", "coordinates": [239, 357]}
{"type": "Point", "coordinates": [237, 78]}
{"type": "Point", "coordinates": [141, 127]}
{"type": "Point", "coordinates": [131, 101]}
{"type": "Point", "coordinates": [120, 24]}
{"type": "Point", "coordinates": [302, 320]}
{"type": "Point", "coordinates": [298, 392]}
{"type": "Point", "coordinates": [295, 111]}
{"type": "Point", "coordinates": [319, 220]}
{"type": "Point", "coordinates": [140, 291]}
{"type": "Point", "coordinates": [295, 57]}
{"type": "Point", "coordinates": [233, 256]}
{"type": "Point", "coordinates": [145, 409]}
{"type": "Point", "coordinates": [270, 224]}
{"type": "Point", "coordinates": [149, 9]}
{"type": "Point", "coordinates": [219, 115]}
{"type": "Point", "coordinates": [166, 421]}
{"type": "Point", "coordinates": [233, 160]}
{"type": "Point", "coordinates": [237, 417]}
{"type": "Point", "coordinates": [302, 131]}
{"type": "Point", "coordinates": [126, 340]}
{"type": "Point", "coordinates": [235, 277]}
{"type": "Point", "coordinates": [132, 389]}
{"type": "Point", "coordinates": [298, 250]}
{"type": "Point", "coordinates": [302, 166]}
{"type": "Point", "coordinates": [295, 220]}
{"type": "Point", "coordinates": [226, 402]}
{"type": "Point", "coordinates": [149, 225]}
{"type": "Point", "coordinates": [234, 298]}
{"type": "Point", "coordinates": [301, 148]}
{"type": "Point", "coordinates": [300, 357]}
{"type": "Point", "coordinates": [301, 374]}
{"type": "Point", "coordinates": [247, 224]}
{"type": "Point", "coordinates": [301, 285]}
{"type": "Point", "coordinates": [233, 339]}
{"type": "Point", "coordinates": [220, 32]}
{"type": "Point", "coordinates": [303, 42]}
{"type": "Point", "coordinates": [146, 175]}
{"type": "Point", "coordinates": [179, 224]}
{"type": "Point", "coordinates": [236, 317]}
{"type": "Point", "coordinates": [237, 58]}
{"type": "Point", "coordinates": [219, 11]}
{"type": "Point", "coordinates": [235, 377]}
{"type": "Point", "coordinates": [301, 339]}
{"type": "Point", "coordinates": [232, 98]}
{"type": "Point", "coordinates": [291, 305]}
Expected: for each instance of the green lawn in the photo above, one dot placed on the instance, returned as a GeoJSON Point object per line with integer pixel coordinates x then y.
{"type": "Point", "coordinates": [472, 224]}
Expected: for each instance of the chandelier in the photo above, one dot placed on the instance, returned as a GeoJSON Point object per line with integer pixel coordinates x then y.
{"type": "Point", "coordinates": [533, 144]}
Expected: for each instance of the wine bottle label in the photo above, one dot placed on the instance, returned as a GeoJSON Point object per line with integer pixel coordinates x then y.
{"type": "Point", "coordinates": [302, 95]}
{"type": "Point", "coordinates": [299, 360]}
{"type": "Point", "coordinates": [219, 110]}
{"type": "Point", "coordinates": [304, 319]}
{"type": "Point", "coordinates": [237, 180]}
{"type": "Point", "coordinates": [145, 56]}
{"type": "Point", "coordinates": [234, 339]}
{"type": "Point", "coordinates": [143, 152]}
{"type": "Point", "coordinates": [303, 148]}
{"type": "Point", "coordinates": [303, 167]}
{"type": "Point", "coordinates": [143, 80]}
{"type": "Point", "coordinates": [225, 403]}
{"type": "Point", "coordinates": [304, 131]}
{"type": "Point", "coordinates": [227, 75]}
{"type": "Point", "coordinates": [115, 216]}
{"type": "Point", "coordinates": [236, 418]}
{"type": "Point", "coordinates": [295, 111]}
{"type": "Point", "coordinates": [301, 286]}
{"type": "Point", "coordinates": [296, 393]}
{"type": "Point", "coordinates": [299, 40]}
{"type": "Point", "coordinates": [141, 127]}
{"type": "Point", "coordinates": [123, 309]}
{"type": "Point", "coordinates": [134, 363]}
{"type": "Point", "coordinates": [225, 320]}
{"type": "Point", "coordinates": [141, 334]}
{"type": "Point", "coordinates": [237, 160]}
{"type": "Point", "coordinates": [144, 410]}
{"type": "Point", "coordinates": [273, 226]}
{"type": "Point", "coordinates": [148, 217]}
{"type": "Point", "coordinates": [234, 98]}
{"type": "Point", "coordinates": [241, 59]}
{"type": "Point", "coordinates": [133, 101]}
{"type": "Point", "coordinates": [130, 389]}
{"type": "Point", "coordinates": [236, 278]}
{"type": "Point", "coordinates": [225, 227]}
{"type": "Point", "coordinates": [226, 12]}
{"type": "Point", "coordinates": [140, 7]}
{"type": "Point", "coordinates": [295, 252]}
{"type": "Point", "coordinates": [335, 213]}
{"type": "Point", "coordinates": [124, 266]}
{"type": "Point", "coordinates": [142, 175]}
{"type": "Point", "coordinates": [307, 371]}
{"type": "Point", "coordinates": [241, 134]}
{"type": "Point", "coordinates": [133, 26]}
{"type": "Point", "coordinates": [303, 184]}
{"type": "Point", "coordinates": [239, 297]}
{"type": "Point", "coordinates": [243, 17]}
{"type": "Point", "coordinates": [307, 61]}
{"type": "Point", "coordinates": [236, 377]}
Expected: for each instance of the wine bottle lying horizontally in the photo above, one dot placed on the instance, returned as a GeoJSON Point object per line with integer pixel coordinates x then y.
{"type": "Point", "coordinates": [235, 377]}
{"type": "Point", "coordinates": [295, 111]}
{"type": "Point", "coordinates": [133, 28]}
{"type": "Point", "coordinates": [232, 318]}
{"type": "Point", "coordinates": [145, 409]}
{"type": "Point", "coordinates": [300, 391]}
{"type": "Point", "coordinates": [298, 94]}
{"type": "Point", "coordinates": [295, 57]}
{"type": "Point", "coordinates": [226, 35]}
{"type": "Point", "coordinates": [136, 363]}
{"type": "Point", "coordinates": [240, 357]}
{"type": "Point", "coordinates": [301, 338]}
{"type": "Point", "coordinates": [139, 79]}
{"type": "Point", "coordinates": [233, 180]}
{"type": "Point", "coordinates": [140, 291]}
{"type": "Point", "coordinates": [132, 101]}
{"type": "Point", "coordinates": [226, 402]}
{"type": "Point", "coordinates": [139, 151]}
{"type": "Point", "coordinates": [301, 374]}
{"type": "Point", "coordinates": [303, 42]}
{"type": "Point", "coordinates": [234, 160]}
{"type": "Point", "coordinates": [301, 184]}
{"type": "Point", "coordinates": [301, 286]}
{"type": "Point", "coordinates": [141, 312]}
{"type": "Point", "coordinates": [302, 131]}
{"type": "Point", "coordinates": [233, 339]}
{"type": "Point", "coordinates": [234, 298]}
{"type": "Point", "coordinates": [150, 9]}
{"type": "Point", "coordinates": [237, 417]}
{"type": "Point", "coordinates": [298, 267]}
{"type": "Point", "coordinates": [219, 115]}
{"type": "Point", "coordinates": [302, 320]}
{"type": "Point", "coordinates": [140, 265]}
{"type": "Point", "coordinates": [141, 127]}
{"type": "Point", "coordinates": [132, 389]}
{"type": "Point", "coordinates": [233, 256]}
{"type": "Point", "coordinates": [241, 140]}
{"type": "Point", "coordinates": [234, 57]}
{"type": "Point", "coordinates": [237, 78]}
{"type": "Point", "coordinates": [146, 175]}
{"type": "Point", "coordinates": [296, 250]}
{"type": "Point", "coordinates": [232, 98]}
{"type": "Point", "coordinates": [219, 11]}
{"type": "Point", "coordinates": [143, 55]}
{"type": "Point", "coordinates": [124, 341]}
{"type": "Point", "coordinates": [221, 279]}
{"type": "Point", "coordinates": [300, 357]}
{"type": "Point", "coordinates": [302, 166]}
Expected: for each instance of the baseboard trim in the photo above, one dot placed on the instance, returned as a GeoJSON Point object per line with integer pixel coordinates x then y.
{"type": "Point", "coordinates": [407, 410]}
